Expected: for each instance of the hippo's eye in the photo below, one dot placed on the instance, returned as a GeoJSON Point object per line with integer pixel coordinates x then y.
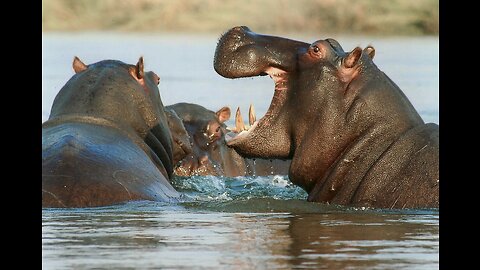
{"type": "Point", "coordinates": [316, 49]}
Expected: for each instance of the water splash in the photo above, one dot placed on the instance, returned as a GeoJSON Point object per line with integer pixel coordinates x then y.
{"type": "Point", "coordinates": [227, 188]}
{"type": "Point", "coordinates": [274, 193]}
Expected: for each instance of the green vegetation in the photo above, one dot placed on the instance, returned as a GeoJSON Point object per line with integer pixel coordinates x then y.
{"type": "Point", "coordinates": [392, 17]}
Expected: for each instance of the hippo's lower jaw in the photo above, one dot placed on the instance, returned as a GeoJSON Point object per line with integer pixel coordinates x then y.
{"type": "Point", "coordinates": [232, 136]}
{"type": "Point", "coordinates": [280, 78]}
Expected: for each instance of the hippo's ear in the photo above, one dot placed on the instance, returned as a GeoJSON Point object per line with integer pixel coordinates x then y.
{"type": "Point", "coordinates": [352, 57]}
{"type": "Point", "coordinates": [370, 51]}
{"type": "Point", "coordinates": [139, 69]}
{"type": "Point", "coordinates": [78, 65]}
{"type": "Point", "coordinates": [223, 114]}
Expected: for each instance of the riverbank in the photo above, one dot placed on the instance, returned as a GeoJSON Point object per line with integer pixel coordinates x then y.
{"type": "Point", "coordinates": [406, 17]}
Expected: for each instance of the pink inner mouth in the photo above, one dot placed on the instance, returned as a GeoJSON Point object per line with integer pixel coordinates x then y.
{"type": "Point", "coordinates": [280, 79]}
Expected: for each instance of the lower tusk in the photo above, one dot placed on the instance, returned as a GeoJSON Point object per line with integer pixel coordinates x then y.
{"type": "Point", "coordinates": [251, 115]}
{"type": "Point", "coordinates": [239, 125]}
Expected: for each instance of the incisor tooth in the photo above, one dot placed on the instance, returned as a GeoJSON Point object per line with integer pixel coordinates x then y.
{"type": "Point", "coordinates": [239, 125]}
{"type": "Point", "coordinates": [251, 115]}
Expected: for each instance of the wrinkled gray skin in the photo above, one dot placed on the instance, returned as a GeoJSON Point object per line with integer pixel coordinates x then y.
{"type": "Point", "coordinates": [210, 155]}
{"type": "Point", "coordinates": [107, 140]}
{"type": "Point", "coordinates": [353, 136]}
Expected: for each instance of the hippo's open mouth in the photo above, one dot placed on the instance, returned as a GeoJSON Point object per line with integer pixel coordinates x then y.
{"type": "Point", "coordinates": [240, 133]}
{"type": "Point", "coordinates": [241, 52]}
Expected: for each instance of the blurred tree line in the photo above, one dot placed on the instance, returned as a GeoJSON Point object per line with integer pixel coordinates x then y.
{"type": "Point", "coordinates": [392, 17]}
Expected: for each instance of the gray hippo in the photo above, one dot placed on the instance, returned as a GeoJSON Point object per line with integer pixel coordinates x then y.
{"type": "Point", "coordinates": [107, 139]}
{"type": "Point", "coordinates": [210, 155]}
{"type": "Point", "coordinates": [353, 136]}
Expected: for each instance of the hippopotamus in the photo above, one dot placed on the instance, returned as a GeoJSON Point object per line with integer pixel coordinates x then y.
{"type": "Point", "coordinates": [353, 136]}
{"type": "Point", "coordinates": [210, 155]}
{"type": "Point", "coordinates": [181, 146]}
{"type": "Point", "coordinates": [107, 140]}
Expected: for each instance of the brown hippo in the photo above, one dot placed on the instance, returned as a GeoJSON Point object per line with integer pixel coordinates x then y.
{"type": "Point", "coordinates": [181, 146]}
{"type": "Point", "coordinates": [353, 136]}
{"type": "Point", "coordinates": [211, 155]}
{"type": "Point", "coordinates": [107, 140]}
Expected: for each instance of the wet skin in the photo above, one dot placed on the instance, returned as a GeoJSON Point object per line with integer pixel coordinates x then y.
{"type": "Point", "coordinates": [210, 155]}
{"type": "Point", "coordinates": [107, 140]}
{"type": "Point", "coordinates": [353, 136]}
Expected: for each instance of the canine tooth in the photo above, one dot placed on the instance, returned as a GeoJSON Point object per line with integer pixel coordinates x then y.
{"type": "Point", "coordinates": [239, 125]}
{"type": "Point", "coordinates": [251, 115]}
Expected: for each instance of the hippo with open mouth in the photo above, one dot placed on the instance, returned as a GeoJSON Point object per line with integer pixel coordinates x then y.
{"type": "Point", "coordinates": [107, 139]}
{"type": "Point", "coordinates": [353, 136]}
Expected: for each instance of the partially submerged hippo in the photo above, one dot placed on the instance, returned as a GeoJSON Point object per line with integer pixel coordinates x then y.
{"type": "Point", "coordinates": [181, 146]}
{"type": "Point", "coordinates": [107, 140]}
{"type": "Point", "coordinates": [210, 154]}
{"type": "Point", "coordinates": [353, 136]}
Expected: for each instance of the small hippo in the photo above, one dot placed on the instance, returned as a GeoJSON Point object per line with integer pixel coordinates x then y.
{"type": "Point", "coordinates": [107, 139]}
{"type": "Point", "coordinates": [353, 136]}
{"type": "Point", "coordinates": [210, 155]}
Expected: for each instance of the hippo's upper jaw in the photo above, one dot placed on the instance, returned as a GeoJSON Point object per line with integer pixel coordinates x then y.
{"type": "Point", "coordinates": [243, 53]}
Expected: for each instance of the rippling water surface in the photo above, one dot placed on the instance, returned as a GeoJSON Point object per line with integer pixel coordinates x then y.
{"type": "Point", "coordinates": [243, 222]}
{"type": "Point", "coordinates": [239, 223]}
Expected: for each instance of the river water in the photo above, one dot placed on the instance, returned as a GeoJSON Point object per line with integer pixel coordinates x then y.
{"type": "Point", "coordinates": [241, 222]}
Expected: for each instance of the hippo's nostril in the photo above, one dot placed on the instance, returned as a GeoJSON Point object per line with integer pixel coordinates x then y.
{"type": "Point", "coordinates": [242, 28]}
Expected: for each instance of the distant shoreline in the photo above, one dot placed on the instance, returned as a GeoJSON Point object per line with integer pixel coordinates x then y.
{"type": "Point", "coordinates": [367, 17]}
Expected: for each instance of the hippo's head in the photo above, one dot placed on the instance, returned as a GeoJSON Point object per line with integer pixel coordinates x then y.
{"type": "Point", "coordinates": [325, 98]}
{"type": "Point", "coordinates": [123, 95]}
{"type": "Point", "coordinates": [111, 89]}
{"type": "Point", "coordinates": [206, 130]}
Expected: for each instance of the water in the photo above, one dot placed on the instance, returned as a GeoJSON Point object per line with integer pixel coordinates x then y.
{"type": "Point", "coordinates": [239, 223]}
{"type": "Point", "coordinates": [242, 222]}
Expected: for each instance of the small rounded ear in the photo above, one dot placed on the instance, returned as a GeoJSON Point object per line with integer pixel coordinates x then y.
{"type": "Point", "coordinates": [370, 51]}
{"type": "Point", "coordinates": [352, 58]}
{"type": "Point", "coordinates": [223, 114]}
{"type": "Point", "coordinates": [139, 69]}
{"type": "Point", "coordinates": [78, 65]}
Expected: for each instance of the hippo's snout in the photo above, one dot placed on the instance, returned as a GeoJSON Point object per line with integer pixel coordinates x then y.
{"type": "Point", "coordinates": [236, 53]}
{"type": "Point", "coordinates": [241, 52]}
